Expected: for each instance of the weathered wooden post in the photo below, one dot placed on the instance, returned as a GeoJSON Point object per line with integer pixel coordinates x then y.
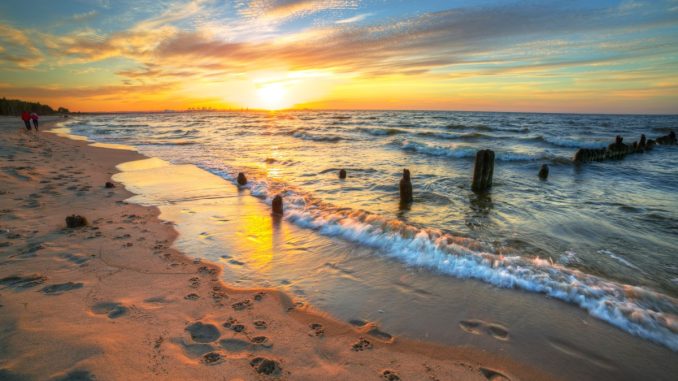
{"type": "Point", "coordinates": [242, 180]}
{"type": "Point", "coordinates": [277, 205]}
{"type": "Point", "coordinates": [544, 172]}
{"type": "Point", "coordinates": [342, 174]}
{"type": "Point", "coordinates": [483, 170]}
{"type": "Point", "coordinates": [406, 188]}
{"type": "Point", "coordinates": [579, 156]}
{"type": "Point", "coordinates": [643, 141]}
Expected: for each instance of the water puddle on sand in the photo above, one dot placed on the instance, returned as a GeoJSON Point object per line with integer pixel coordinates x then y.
{"type": "Point", "coordinates": [218, 222]}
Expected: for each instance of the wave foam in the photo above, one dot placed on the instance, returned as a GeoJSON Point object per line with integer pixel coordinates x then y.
{"type": "Point", "coordinates": [434, 150]}
{"type": "Point", "coordinates": [316, 138]}
{"type": "Point", "coordinates": [632, 309]}
{"type": "Point", "coordinates": [571, 143]}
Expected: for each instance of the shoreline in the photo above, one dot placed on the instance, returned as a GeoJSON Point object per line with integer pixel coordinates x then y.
{"type": "Point", "coordinates": [148, 309]}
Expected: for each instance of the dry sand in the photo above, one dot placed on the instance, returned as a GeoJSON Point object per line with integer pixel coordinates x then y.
{"type": "Point", "coordinates": [113, 301]}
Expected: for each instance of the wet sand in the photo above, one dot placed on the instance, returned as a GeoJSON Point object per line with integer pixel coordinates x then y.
{"type": "Point", "coordinates": [113, 301]}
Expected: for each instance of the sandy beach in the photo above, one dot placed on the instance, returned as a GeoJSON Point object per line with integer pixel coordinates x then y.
{"type": "Point", "coordinates": [113, 301]}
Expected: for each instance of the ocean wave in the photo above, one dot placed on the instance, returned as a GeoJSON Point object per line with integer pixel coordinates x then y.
{"type": "Point", "coordinates": [619, 259]}
{"type": "Point", "coordinates": [316, 138]}
{"type": "Point", "coordinates": [456, 152]}
{"type": "Point", "coordinates": [632, 309]}
{"type": "Point", "coordinates": [570, 143]}
{"type": "Point", "coordinates": [181, 143]}
{"type": "Point", "coordinates": [439, 135]}
{"type": "Point", "coordinates": [382, 131]}
{"type": "Point", "coordinates": [636, 310]}
{"type": "Point", "coordinates": [460, 126]}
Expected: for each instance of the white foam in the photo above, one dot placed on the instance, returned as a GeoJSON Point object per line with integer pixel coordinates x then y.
{"type": "Point", "coordinates": [572, 143]}
{"type": "Point", "coordinates": [620, 305]}
{"type": "Point", "coordinates": [316, 138]}
{"type": "Point", "coordinates": [460, 152]}
{"type": "Point", "coordinates": [619, 259]}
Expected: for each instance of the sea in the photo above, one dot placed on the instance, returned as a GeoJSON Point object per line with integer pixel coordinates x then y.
{"type": "Point", "coordinates": [599, 236]}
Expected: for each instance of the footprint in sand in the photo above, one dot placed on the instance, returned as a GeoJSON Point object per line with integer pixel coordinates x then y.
{"type": "Point", "coordinates": [239, 306]}
{"type": "Point", "coordinates": [114, 310]}
{"type": "Point", "coordinates": [379, 334]}
{"type": "Point", "coordinates": [318, 329]}
{"type": "Point", "coordinates": [234, 325]}
{"type": "Point", "coordinates": [76, 375]}
{"type": "Point", "coordinates": [479, 327]}
{"type": "Point", "coordinates": [203, 333]}
{"type": "Point", "coordinates": [212, 358]}
{"type": "Point", "coordinates": [193, 350]}
{"type": "Point", "coordinates": [361, 345]}
{"type": "Point", "coordinates": [390, 375]}
{"type": "Point", "coordinates": [194, 282]}
{"type": "Point", "coordinates": [77, 259]}
{"type": "Point", "coordinates": [57, 289]}
{"type": "Point", "coordinates": [235, 345]}
{"type": "Point", "coordinates": [263, 340]}
{"type": "Point", "coordinates": [493, 375]}
{"type": "Point", "coordinates": [266, 366]}
{"type": "Point", "coordinates": [23, 282]}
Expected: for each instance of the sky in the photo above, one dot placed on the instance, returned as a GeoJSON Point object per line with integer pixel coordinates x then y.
{"type": "Point", "coordinates": [598, 56]}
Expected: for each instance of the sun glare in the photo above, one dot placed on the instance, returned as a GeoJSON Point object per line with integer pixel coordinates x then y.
{"type": "Point", "coordinates": [273, 96]}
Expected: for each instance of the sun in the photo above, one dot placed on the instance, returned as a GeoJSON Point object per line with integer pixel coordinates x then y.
{"type": "Point", "coordinates": [273, 96]}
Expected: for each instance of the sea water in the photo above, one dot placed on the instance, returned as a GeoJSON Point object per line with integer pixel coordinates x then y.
{"type": "Point", "coordinates": [601, 236]}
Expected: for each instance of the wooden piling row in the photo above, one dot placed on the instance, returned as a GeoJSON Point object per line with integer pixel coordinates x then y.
{"type": "Point", "coordinates": [618, 149]}
{"type": "Point", "coordinates": [483, 169]}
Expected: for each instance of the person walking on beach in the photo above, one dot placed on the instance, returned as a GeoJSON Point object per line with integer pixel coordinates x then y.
{"type": "Point", "coordinates": [26, 117]}
{"type": "Point", "coordinates": [35, 118]}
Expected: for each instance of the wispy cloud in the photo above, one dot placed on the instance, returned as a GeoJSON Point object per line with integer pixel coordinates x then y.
{"type": "Point", "coordinates": [353, 19]}
{"type": "Point", "coordinates": [17, 50]}
{"type": "Point", "coordinates": [283, 9]}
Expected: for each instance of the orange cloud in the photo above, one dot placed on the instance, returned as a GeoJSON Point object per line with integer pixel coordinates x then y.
{"type": "Point", "coordinates": [17, 49]}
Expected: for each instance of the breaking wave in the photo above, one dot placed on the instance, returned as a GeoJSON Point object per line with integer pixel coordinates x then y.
{"type": "Point", "coordinates": [461, 152]}
{"type": "Point", "coordinates": [636, 310]}
{"type": "Point", "coordinates": [571, 143]}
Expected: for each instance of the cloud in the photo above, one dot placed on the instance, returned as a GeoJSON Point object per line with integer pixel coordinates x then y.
{"type": "Point", "coordinates": [410, 46]}
{"type": "Point", "coordinates": [17, 50]}
{"type": "Point", "coordinates": [139, 90]}
{"type": "Point", "coordinates": [80, 17]}
{"type": "Point", "coordinates": [353, 19]}
{"type": "Point", "coordinates": [194, 42]}
{"type": "Point", "coordinates": [283, 9]}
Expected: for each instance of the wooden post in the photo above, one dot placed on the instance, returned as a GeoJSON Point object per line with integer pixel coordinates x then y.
{"type": "Point", "coordinates": [242, 180]}
{"type": "Point", "coordinates": [277, 205]}
{"type": "Point", "coordinates": [544, 172]}
{"type": "Point", "coordinates": [579, 156]}
{"type": "Point", "coordinates": [342, 174]}
{"type": "Point", "coordinates": [406, 188]}
{"type": "Point", "coordinates": [483, 170]}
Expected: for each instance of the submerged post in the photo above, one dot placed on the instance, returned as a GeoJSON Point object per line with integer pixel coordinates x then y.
{"type": "Point", "coordinates": [342, 174]}
{"type": "Point", "coordinates": [406, 187]}
{"type": "Point", "coordinates": [277, 205]}
{"type": "Point", "coordinates": [242, 180]}
{"type": "Point", "coordinates": [544, 172]}
{"type": "Point", "coordinates": [483, 170]}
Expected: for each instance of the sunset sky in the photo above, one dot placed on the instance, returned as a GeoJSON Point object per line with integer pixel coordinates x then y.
{"type": "Point", "coordinates": [545, 56]}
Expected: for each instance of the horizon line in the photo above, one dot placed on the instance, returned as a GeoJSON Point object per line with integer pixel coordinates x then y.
{"type": "Point", "coordinates": [169, 111]}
